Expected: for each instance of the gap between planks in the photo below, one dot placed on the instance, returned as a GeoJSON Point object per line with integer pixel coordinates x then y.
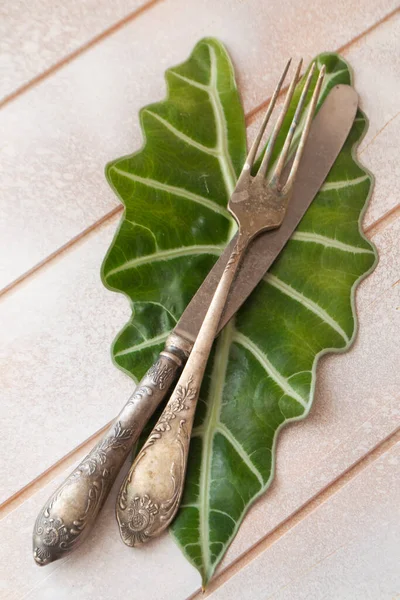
{"type": "Point", "coordinates": [72, 242]}
{"type": "Point", "coordinates": [303, 512]}
{"type": "Point", "coordinates": [74, 455]}
{"type": "Point", "coordinates": [28, 490]}
{"type": "Point", "coordinates": [341, 50]}
{"type": "Point", "coordinates": [127, 20]}
{"type": "Point", "coordinates": [384, 221]}
{"type": "Point", "coordinates": [377, 226]}
{"type": "Point", "coordinates": [51, 473]}
{"type": "Point", "coordinates": [80, 50]}
{"type": "Point", "coordinates": [110, 31]}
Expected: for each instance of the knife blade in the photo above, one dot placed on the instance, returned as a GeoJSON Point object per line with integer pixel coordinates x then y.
{"type": "Point", "coordinates": [323, 145]}
{"type": "Point", "coordinates": [71, 511]}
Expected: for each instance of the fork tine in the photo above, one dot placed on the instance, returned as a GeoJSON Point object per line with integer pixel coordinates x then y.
{"type": "Point", "coordinates": [295, 121]}
{"type": "Point", "coordinates": [304, 133]}
{"type": "Point", "coordinates": [253, 150]}
{"type": "Point", "coordinates": [271, 143]}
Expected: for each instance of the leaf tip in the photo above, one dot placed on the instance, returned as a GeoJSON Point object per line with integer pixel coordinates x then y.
{"type": "Point", "coordinates": [205, 578]}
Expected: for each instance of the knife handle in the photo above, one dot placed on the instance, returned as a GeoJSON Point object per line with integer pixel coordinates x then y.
{"type": "Point", "coordinates": [70, 513]}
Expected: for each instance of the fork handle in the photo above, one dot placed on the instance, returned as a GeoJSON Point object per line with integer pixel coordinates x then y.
{"type": "Point", "coordinates": [70, 513]}
{"type": "Point", "coordinates": [150, 496]}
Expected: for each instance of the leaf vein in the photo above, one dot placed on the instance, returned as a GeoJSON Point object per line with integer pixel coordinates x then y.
{"type": "Point", "coordinates": [290, 291]}
{"type": "Point", "coordinates": [164, 255]}
{"type": "Point", "coordinates": [174, 190]}
{"type": "Point", "coordinates": [316, 238]}
{"type": "Point", "coordinates": [210, 423]}
{"type": "Point", "coordinates": [143, 227]}
{"type": "Point", "coordinates": [279, 379]}
{"type": "Point", "coordinates": [158, 304]}
{"type": "Point", "coordinates": [222, 512]}
{"type": "Point", "coordinates": [182, 136]}
{"type": "Point", "coordinates": [227, 169]}
{"type": "Point", "coordinates": [339, 185]}
{"type": "Point", "coordinates": [158, 339]}
{"type": "Point", "coordinates": [223, 430]}
{"type": "Point", "coordinates": [192, 82]}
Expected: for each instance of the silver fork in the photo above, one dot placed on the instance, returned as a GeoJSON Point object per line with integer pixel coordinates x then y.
{"type": "Point", "coordinates": [150, 495]}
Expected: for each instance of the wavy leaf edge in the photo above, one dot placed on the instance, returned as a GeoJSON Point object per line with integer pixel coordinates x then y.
{"type": "Point", "coordinates": [207, 575]}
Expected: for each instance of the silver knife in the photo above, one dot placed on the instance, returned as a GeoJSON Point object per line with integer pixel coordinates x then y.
{"type": "Point", "coordinates": [70, 513]}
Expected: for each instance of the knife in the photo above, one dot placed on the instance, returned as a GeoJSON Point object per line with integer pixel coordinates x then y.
{"type": "Point", "coordinates": [70, 513]}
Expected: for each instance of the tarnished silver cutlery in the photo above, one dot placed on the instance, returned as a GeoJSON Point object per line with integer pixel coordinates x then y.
{"type": "Point", "coordinates": [150, 495]}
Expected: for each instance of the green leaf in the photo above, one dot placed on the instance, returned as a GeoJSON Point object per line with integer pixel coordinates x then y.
{"type": "Point", "coordinates": [262, 371]}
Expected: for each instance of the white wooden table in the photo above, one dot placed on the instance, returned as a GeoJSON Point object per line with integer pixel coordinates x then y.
{"type": "Point", "coordinates": [74, 76]}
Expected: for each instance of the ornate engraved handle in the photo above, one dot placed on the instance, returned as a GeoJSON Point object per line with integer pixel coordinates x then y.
{"type": "Point", "coordinates": [70, 513]}
{"type": "Point", "coordinates": [149, 497]}
{"type": "Point", "coordinates": [151, 493]}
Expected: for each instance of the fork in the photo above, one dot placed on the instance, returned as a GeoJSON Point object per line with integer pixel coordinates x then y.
{"type": "Point", "coordinates": [151, 493]}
